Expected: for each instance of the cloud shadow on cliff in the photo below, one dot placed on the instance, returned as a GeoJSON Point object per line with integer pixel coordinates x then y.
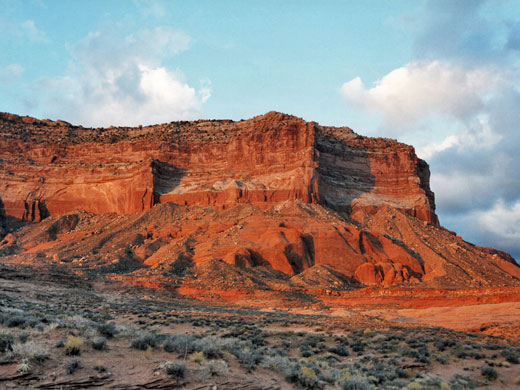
{"type": "Point", "coordinates": [344, 172]}
{"type": "Point", "coordinates": [166, 178]}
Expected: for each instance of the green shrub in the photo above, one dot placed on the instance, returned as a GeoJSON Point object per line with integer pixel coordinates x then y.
{"type": "Point", "coordinates": [248, 358]}
{"type": "Point", "coordinates": [6, 341]}
{"type": "Point", "coordinates": [180, 343]}
{"type": "Point", "coordinates": [31, 351]}
{"type": "Point", "coordinates": [144, 341]}
{"type": "Point", "coordinates": [177, 370]}
{"type": "Point", "coordinates": [73, 365]}
{"type": "Point", "coordinates": [308, 378]}
{"type": "Point", "coordinates": [23, 337]}
{"type": "Point", "coordinates": [510, 356]}
{"type": "Point", "coordinates": [108, 330]}
{"type": "Point", "coordinates": [99, 343]}
{"type": "Point", "coordinates": [339, 350]}
{"type": "Point", "coordinates": [355, 384]}
{"type": "Point", "coordinates": [489, 373]}
{"type": "Point", "coordinates": [16, 321]}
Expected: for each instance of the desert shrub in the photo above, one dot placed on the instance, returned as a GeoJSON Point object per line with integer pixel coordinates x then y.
{"type": "Point", "coordinates": [292, 372]}
{"type": "Point", "coordinates": [381, 373]}
{"type": "Point", "coordinates": [461, 382]}
{"type": "Point", "coordinates": [306, 376]}
{"type": "Point", "coordinates": [493, 347]}
{"type": "Point", "coordinates": [177, 370]}
{"type": "Point", "coordinates": [197, 357]}
{"type": "Point", "coordinates": [248, 358]}
{"type": "Point", "coordinates": [99, 343]}
{"type": "Point", "coordinates": [282, 365]}
{"type": "Point", "coordinates": [331, 359]}
{"type": "Point", "coordinates": [15, 321]}
{"type": "Point", "coordinates": [60, 343]}
{"type": "Point", "coordinates": [78, 322]}
{"type": "Point", "coordinates": [355, 384]}
{"type": "Point", "coordinates": [181, 343]}
{"type": "Point", "coordinates": [144, 341]}
{"type": "Point", "coordinates": [510, 356]}
{"type": "Point", "coordinates": [23, 337]}
{"type": "Point", "coordinates": [211, 369]}
{"type": "Point", "coordinates": [477, 356]}
{"type": "Point", "coordinates": [308, 379]}
{"type": "Point", "coordinates": [100, 367]}
{"type": "Point", "coordinates": [358, 347]}
{"type": "Point", "coordinates": [462, 354]}
{"type": "Point", "coordinates": [401, 373]}
{"type": "Point", "coordinates": [211, 346]}
{"type": "Point", "coordinates": [398, 383]}
{"type": "Point", "coordinates": [25, 366]}
{"type": "Point", "coordinates": [108, 330]}
{"type": "Point", "coordinates": [6, 341]}
{"type": "Point", "coordinates": [211, 351]}
{"type": "Point", "coordinates": [441, 359]}
{"type": "Point", "coordinates": [432, 382]}
{"type": "Point", "coordinates": [489, 373]}
{"type": "Point", "coordinates": [73, 345]}
{"type": "Point", "coordinates": [278, 351]}
{"type": "Point", "coordinates": [31, 351]}
{"type": "Point", "coordinates": [72, 365]}
{"type": "Point", "coordinates": [32, 321]}
{"type": "Point", "coordinates": [311, 341]}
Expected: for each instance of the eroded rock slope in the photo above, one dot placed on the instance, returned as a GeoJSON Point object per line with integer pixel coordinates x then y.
{"type": "Point", "coordinates": [272, 202]}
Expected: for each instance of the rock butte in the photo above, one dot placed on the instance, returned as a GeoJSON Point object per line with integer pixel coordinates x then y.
{"type": "Point", "coordinates": [269, 203]}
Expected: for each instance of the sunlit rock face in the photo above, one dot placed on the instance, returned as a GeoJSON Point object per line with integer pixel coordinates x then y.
{"type": "Point", "coordinates": [271, 202]}
{"type": "Point", "coordinates": [50, 168]}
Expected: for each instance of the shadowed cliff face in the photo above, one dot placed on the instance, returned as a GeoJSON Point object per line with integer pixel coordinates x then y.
{"type": "Point", "coordinates": [273, 196]}
{"type": "Point", "coordinates": [343, 173]}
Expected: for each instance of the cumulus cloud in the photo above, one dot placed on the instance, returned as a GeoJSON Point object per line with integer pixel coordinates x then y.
{"type": "Point", "coordinates": [117, 79]}
{"type": "Point", "coordinates": [458, 100]}
{"type": "Point", "coordinates": [420, 89]}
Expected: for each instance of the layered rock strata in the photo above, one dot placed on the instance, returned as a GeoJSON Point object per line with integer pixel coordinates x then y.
{"type": "Point", "coordinates": [272, 202]}
{"type": "Point", "coordinates": [50, 168]}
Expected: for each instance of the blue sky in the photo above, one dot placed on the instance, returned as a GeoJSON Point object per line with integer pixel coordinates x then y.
{"type": "Point", "coordinates": [440, 75]}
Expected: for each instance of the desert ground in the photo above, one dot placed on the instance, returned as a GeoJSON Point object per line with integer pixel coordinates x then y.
{"type": "Point", "coordinates": [61, 331]}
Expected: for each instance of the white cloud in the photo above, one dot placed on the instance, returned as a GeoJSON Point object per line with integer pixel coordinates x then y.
{"type": "Point", "coordinates": [29, 31]}
{"type": "Point", "coordinates": [421, 89]}
{"type": "Point", "coordinates": [119, 79]}
{"type": "Point", "coordinates": [24, 32]}
{"type": "Point", "coordinates": [495, 226]}
{"type": "Point", "coordinates": [10, 73]}
{"type": "Point", "coordinates": [501, 220]}
{"type": "Point", "coordinates": [457, 102]}
{"type": "Point", "coordinates": [477, 138]}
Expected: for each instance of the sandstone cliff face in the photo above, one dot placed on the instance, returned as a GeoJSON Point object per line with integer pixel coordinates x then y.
{"type": "Point", "coordinates": [272, 201]}
{"type": "Point", "coordinates": [50, 168]}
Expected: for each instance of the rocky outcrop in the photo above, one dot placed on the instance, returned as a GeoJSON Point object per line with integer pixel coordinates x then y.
{"type": "Point", "coordinates": [50, 168]}
{"type": "Point", "coordinates": [272, 202]}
